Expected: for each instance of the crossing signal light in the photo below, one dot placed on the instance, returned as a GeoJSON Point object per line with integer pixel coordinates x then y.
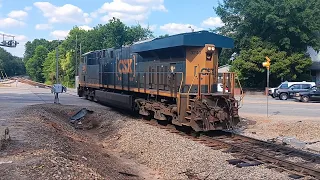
{"type": "Point", "coordinates": [267, 63]}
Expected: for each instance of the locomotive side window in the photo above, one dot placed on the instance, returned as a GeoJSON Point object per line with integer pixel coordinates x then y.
{"type": "Point", "coordinates": [111, 54]}
{"type": "Point", "coordinates": [104, 53]}
{"type": "Point", "coordinates": [195, 71]}
{"type": "Point", "coordinates": [172, 67]}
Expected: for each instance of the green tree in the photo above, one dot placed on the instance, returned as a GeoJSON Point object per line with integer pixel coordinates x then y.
{"type": "Point", "coordinates": [49, 68]}
{"type": "Point", "coordinates": [34, 65]}
{"type": "Point", "coordinates": [137, 33]}
{"type": "Point", "coordinates": [10, 65]}
{"type": "Point", "coordinates": [114, 34]}
{"type": "Point", "coordinates": [290, 25]}
{"type": "Point", "coordinates": [284, 66]}
{"type": "Point", "coordinates": [162, 36]}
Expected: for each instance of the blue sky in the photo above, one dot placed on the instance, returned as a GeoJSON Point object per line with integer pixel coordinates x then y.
{"type": "Point", "coordinates": [30, 19]}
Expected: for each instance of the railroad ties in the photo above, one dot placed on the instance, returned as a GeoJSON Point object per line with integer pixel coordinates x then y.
{"type": "Point", "coordinates": [253, 152]}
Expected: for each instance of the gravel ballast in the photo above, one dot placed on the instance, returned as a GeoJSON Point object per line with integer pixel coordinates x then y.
{"type": "Point", "coordinates": [112, 142]}
{"type": "Point", "coordinates": [180, 158]}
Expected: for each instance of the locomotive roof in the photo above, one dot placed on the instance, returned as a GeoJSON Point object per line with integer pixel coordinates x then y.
{"type": "Point", "coordinates": [199, 38]}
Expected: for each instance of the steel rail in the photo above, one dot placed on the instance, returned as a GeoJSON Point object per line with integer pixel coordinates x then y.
{"type": "Point", "coordinates": [263, 157]}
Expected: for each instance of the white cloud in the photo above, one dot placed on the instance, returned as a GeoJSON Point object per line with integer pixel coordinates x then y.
{"type": "Point", "coordinates": [123, 17]}
{"type": "Point", "coordinates": [129, 10]}
{"type": "Point", "coordinates": [151, 27]}
{"type": "Point", "coordinates": [153, 4]}
{"type": "Point", "coordinates": [43, 26]}
{"type": "Point", "coordinates": [175, 28]}
{"type": "Point", "coordinates": [213, 22]}
{"type": "Point", "coordinates": [10, 23]}
{"type": "Point", "coordinates": [119, 6]}
{"type": "Point", "coordinates": [67, 13]}
{"type": "Point", "coordinates": [86, 28]}
{"type": "Point", "coordinates": [18, 14]}
{"type": "Point", "coordinates": [28, 8]}
{"type": "Point", "coordinates": [60, 34]}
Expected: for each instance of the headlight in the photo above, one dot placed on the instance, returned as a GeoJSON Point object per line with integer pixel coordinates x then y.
{"type": "Point", "coordinates": [209, 48]}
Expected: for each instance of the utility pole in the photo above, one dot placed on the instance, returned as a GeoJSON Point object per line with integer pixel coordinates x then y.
{"type": "Point", "coordinates": [80, 52]}
{"type": "Point", "coordinates": [76, 55]}
{"type": "Point", "coordinates": [57, 65]}
{"type": "Point", "coordinates": [267, 65]}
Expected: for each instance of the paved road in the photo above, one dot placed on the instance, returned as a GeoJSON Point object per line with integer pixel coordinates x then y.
{"type": "Point", "coordinates": [12, 97]}
{"type": "Point", "coordinates": [258, 105]}
{"type": "Point", "coordinates": [23, 95]}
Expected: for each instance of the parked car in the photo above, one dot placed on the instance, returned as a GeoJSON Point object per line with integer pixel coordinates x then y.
{"type": "Point", "coordinates": [313, 94]}
{"type": "Point", "coordinates": [284, 85]}
{"type": "Point", "coordinates": [272, 91]}
{"type": "Point", "coordinates": [297, 87]}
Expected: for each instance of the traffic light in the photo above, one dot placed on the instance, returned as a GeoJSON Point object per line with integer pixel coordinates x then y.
{"type": "Point", "coordinates": [267, 63]}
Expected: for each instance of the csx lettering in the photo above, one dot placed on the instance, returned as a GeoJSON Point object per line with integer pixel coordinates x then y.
{"type": "Point", "coordinates": [195, 52]}
{"type": "Point", "coordinates": [124, 66]}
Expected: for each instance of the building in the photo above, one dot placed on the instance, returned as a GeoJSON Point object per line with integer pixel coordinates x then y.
{"type": "Point", "coordinates": [315, 72]}
{"type": "Point", "coordinates": [315, 67]}
{"type": "Point", "coordinates": [222, 69]}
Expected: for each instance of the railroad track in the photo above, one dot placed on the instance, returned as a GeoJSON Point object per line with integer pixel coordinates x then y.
{"type": "Point", "coordinates": [252, 152]}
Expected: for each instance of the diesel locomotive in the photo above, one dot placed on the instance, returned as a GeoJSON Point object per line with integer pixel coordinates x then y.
{"type": "Point", "coordinates": [171, 79]}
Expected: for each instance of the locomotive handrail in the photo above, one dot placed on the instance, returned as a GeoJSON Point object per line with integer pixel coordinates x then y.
{"type": "Point", "coordinates": [142, 72]}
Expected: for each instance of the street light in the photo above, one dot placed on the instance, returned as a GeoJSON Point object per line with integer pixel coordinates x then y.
{"type": "Point", "coordinates": [267, 65]}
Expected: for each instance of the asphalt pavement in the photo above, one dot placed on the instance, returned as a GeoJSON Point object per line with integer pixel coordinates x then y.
{"type": "Point", "coordinates": [12, 97]}
{"type": "Point", "coordinates": [257, 104]}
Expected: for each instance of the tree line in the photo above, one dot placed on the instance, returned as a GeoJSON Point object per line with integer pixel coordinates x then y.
{"type": "Point", "coordinates": [279, 29]}
{"type": "Point", "coordinates": [10, 65]}
{"type": "Point", "coordinates": [40, 54]}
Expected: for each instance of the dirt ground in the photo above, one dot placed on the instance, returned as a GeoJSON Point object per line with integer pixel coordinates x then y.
{"type": "Point", "coordinates": [279, 128]}
{"type": "Point", "coordinates": [43, 145]}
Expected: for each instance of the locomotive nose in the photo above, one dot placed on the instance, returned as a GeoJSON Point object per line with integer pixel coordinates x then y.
{"type": "Point", "coordinates": [210, 50]}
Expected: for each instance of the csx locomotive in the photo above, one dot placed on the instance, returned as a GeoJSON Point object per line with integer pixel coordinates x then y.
{"type": "Point", "coordinates": [170, 79]}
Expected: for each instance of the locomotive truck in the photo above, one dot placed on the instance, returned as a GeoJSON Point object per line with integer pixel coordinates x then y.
{"type": "Point", "coordinates": [171, 79]}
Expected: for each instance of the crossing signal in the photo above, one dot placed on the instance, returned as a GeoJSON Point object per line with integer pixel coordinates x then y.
{"type": "Point", "coordinates": [267, 63]}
